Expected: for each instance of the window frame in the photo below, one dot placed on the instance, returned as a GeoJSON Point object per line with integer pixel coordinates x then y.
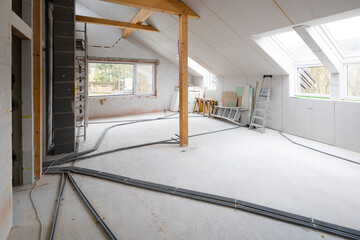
{"type": "Point", "coordinates": [135, 65]}
{"type": "Point", "coordinates": [284, 49]}
{"type": "Point", "coordinates": [345, 57]}
{"type": "Point", "coordinates": [296, 86]}
{"type": "Point", "coordinates": [345, 80]}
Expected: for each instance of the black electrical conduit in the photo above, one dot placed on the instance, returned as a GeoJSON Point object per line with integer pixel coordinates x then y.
{"type": "Point", "coordinates": [141, 119]}
{"type": "Point", "coordinates": [86, 201]}
{"type": "Point", "coordinates": [214, 199]}
{"type": "Point", "coordinates": [61, 190]}
{"type": "Point", "coordinates": [91, 208]}
{"type": "Point", "coordinates": [167, 141]}
{"type": "Point", "coordinates": [317, 150]}
{"type": "Point", "coordinates": [100, 139]}
{"type": "Point", "coordinates": [79, 155]}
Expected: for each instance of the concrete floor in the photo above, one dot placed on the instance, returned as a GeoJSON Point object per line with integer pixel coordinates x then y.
{"type": "Point", "coordinates": [261, 168]}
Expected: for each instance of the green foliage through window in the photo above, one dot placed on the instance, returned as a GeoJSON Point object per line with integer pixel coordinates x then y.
{"type": "Point", "coordinates": [353, 82]}
{"type": "Point", "coordinates": [314, 81]}
{"type": "Point", "coordinates": [120, 78]}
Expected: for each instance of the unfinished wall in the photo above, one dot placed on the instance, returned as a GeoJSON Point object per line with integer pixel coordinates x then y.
{"type": "Point", "coordinates": [215, 94]}
{"type": "Point", "coordinates": [327, 121]}
{"type": "Point", "coordinates": [5, 119]}
{"type": "Point", "coordinates": [167, 78]}
{"type": "Point", "coordinates": [64, 80]}
{"type": "Point", "coordinates": [104, 39]}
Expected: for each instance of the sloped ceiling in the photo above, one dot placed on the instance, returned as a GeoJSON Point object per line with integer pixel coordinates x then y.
{"type": "Point", "coordinates": [221, 39]}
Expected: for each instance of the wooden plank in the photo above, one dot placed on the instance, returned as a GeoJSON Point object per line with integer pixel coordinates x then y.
{"type": "Point", "coordinates": [183, 79]}
{"type": "Point", "coordinates": [37, 86]}
{"type": "Point", "coordinates": [113, 23]}
{"type": "Point", "coordinates": [139, 18]}
{"type": "Point", "coordinates": [167, 6]}
{"type": "Point", "coordinates": [19, 28]}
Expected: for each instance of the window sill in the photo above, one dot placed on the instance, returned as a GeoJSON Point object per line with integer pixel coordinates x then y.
{"type": "Point", "coordinates": [211, 89]}
{"type": "Point", "coordinates": [350, 100]}
{"type": "Point", "coordinates": [312, 97]}
{"type": "Point", "coordinates": [122, 96]}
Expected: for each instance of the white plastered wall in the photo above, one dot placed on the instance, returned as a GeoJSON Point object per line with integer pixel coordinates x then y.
{"type": "Point", "coordinates": [327, 121]}
{"type": "Point", "coordinates": [167, 79]}
{"type": "Point", "coordinates": [5, 119]}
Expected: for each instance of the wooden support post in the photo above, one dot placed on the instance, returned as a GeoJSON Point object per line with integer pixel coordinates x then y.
{"type": "Point", "coordinates": [37, 86]}
{"type": "Point", "coordinates": [183, 79]}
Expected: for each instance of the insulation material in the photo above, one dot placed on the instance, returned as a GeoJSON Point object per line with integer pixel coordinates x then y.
{"type": "Point", "coordinates": [245, 100]}
{"type": "Point", "coordinates": [229, 99]}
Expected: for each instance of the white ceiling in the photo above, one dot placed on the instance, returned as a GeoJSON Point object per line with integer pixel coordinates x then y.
{"type": "Point", "coordinates": [221, 39]}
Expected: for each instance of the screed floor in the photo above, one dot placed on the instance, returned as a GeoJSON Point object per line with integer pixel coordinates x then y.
{"type": "Point", "coordinates": [264, 169]}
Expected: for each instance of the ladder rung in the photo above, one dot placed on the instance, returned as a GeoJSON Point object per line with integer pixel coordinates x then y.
{"type": "Point", "coordinates": [257, 117]}
{"type": "Point", "coordinates": [260, 110]}
{"type": "Point", "coordinates": [263, 102]}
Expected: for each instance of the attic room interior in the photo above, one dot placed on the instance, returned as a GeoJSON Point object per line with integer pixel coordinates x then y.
{"type": "Point", "coordinates": [168, 119]}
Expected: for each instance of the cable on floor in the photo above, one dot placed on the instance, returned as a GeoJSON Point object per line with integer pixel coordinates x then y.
{"type": "Point", "coordinates": [317, 150]}
{"type": "Point", "coordinates": [38, 216]}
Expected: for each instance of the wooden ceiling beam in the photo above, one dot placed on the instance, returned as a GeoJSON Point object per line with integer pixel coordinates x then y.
{"type": "Point", "coordinates": [139, 18]}
{"type": "Point", "coordinates": [113, 23]}
{"type": "Point", "coordinates": [167, 6]}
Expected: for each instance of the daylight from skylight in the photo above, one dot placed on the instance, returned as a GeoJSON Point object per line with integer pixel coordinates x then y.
{"type": "Point", "coordinates": [346, 34]}
{"type": "Point", "coordinates": [197, 67]}
{"type": "Point", "coordinates": [294, 45]}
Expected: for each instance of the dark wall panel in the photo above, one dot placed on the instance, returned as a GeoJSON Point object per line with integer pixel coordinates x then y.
{"type": "Point", "coordinates": [64, 76]}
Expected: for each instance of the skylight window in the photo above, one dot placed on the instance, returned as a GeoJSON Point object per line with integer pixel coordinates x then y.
{"type": "Point", "coordinates": [346, 35]}
{"type": "Point", "coordinates": [209, 78]}
{"type": "Point", "coordinates": [294, 46]}
{"type": "Point", "coordinates": [197, 67]}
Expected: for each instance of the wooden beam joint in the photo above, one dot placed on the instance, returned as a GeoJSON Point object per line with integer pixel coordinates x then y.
{"type": "Point", "coordinates": [114, 23]}
{"type": "Point", "coordinates": [167, 6]}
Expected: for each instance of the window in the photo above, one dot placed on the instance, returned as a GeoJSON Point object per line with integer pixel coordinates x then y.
{"type": "Point", "coordinates": [121, 79]}
{"type": "Point", "coordinates": [313, 81]}
{"type": "Point", "coordinates": [145, 79]}
{"type": "Point", "coordinates": [353, 80]}
{"type": "Point", "coordinates": [345, 35]}
{"type": "Point", "coordinates": [211, 83]}
{"type": "Point", "coordinates": [294, 46]}
{"type": "Point", "coordinates": [208, 77]}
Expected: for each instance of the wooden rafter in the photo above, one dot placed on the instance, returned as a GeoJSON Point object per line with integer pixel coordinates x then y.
{"type": "Point", "coordinates": [113, 23]}
{"type": "Point", "coordinates": [167, 6]}
{"type": "Point", "coordinates": [19, 28]}
{"type": "Point", "coordinates": [139, 18]}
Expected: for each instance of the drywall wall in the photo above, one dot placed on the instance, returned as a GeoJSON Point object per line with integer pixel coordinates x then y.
{"type": "Point", "coordinates": [327, 121]}
{"type": "Point", "coordinates": [215, 94]}
{"type": "Point", "coordinates": [5, 119]}
{"type": "Point", "coordinates": [167, 78]}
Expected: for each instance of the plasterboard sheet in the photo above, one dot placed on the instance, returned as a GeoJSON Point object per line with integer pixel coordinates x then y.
{"type": "Point", "coordinates": [308, 118]}
{"type": "Point", "coordinates": [236, 50]}
{"type": "Point", "coordinates": [218, 30]}
{"type": "Point", "coordinates": [347, 125]}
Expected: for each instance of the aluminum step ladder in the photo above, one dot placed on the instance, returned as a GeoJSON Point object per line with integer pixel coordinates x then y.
{"type": "Point", "coordinates": [81, 76]}
{"type": "Point", "coordinates": [232, 114]}
{"type": "Point", "coordinates": [259, 117]}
